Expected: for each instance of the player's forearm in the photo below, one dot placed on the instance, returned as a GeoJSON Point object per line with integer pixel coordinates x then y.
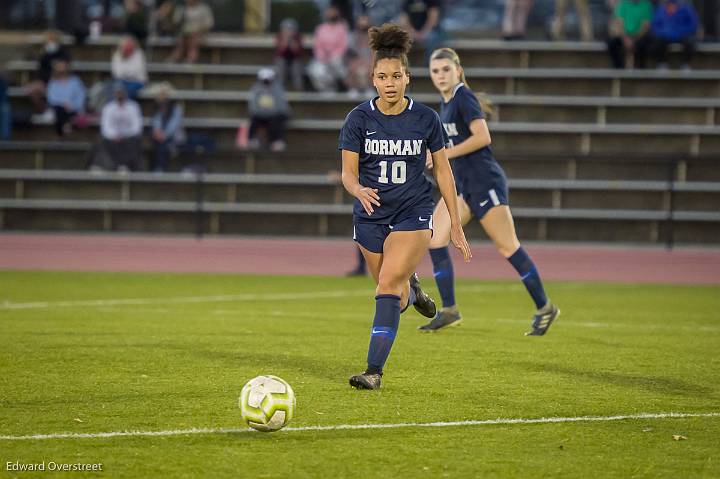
{"type": "Point", "coordinates": [446, 185]}
{"type": "Point", "coordinates": [350, 182]}
{"type": "Point", "coordinates": [474, 143]}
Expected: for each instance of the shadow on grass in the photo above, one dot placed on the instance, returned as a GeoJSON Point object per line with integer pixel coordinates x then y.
{"type": "Point", "coordinates": [654, 384]}
{"type": "Point", "coordinates": [321, 368]}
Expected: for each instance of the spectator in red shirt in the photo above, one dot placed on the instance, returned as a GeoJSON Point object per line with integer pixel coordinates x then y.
{"type": "Point", "coordinates": [289, 53]}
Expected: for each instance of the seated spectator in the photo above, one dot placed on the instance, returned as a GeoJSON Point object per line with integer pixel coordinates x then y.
{"type": "Point", "coordinates": [422, 19]}
{"type": "Point", "coordinates": [128, 66]}
{"type": "Point", "coordinates": [167, 128]}
{"type": "Point", "coordinates": [289, 53]}
{"type": "Point", "coordinates": [194, 20]}
{"type": "Point", "coordinates": [708, 12]}
{"type": "Point", "coordinates": [629, 30]}
{"type": "Point", "coordinates": [583, 14]}
{"type": "Point", "coordinates": [360, 60]}
{"type": "Point", "coordinates": [99, 94]}
{"type": "Point", "coordinates": [52, 50]}
{"type": "Point", "coordinates": [65, 95]}
{"type": "Point", "coordinates": [69, 17]}
{"type": "Point", "coordinates": [163, 19]}
{"type": "Point", "coordinates": [514, 23]}
{"type": "Point", "coordinates": [346, 9]}
{"type": "Point", "coordinates": [269, 110]}
{"type": "Point", "coordinates": [5, 112]}
{"type": "Point", "coordinates": [331, 38]}
{"type": "Point", "coordinates": [675, 21]}
{"type": "Point", "coordinates": [121, 126]}
{"type": "Point", "coordinates": [136, 20]}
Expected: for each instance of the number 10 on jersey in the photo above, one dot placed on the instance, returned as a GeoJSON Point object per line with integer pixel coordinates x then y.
{"type": "Point", "coordinates": [398, 172]}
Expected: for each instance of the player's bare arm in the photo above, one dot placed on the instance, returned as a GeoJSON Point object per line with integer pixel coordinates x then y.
{"type": "Point", "coordinates": [479, 139]}
{"type": "Point", "coordinates": [446, 184]}
{"type": "Point", "coordinates": [350, 179]}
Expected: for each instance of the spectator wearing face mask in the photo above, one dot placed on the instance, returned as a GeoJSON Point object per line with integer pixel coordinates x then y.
{"type": "Point", "coordinates": [269, 111]}
{"type": "Point", "coordinates": [128, 66]}
{"type": "Point", "coordinates": [52, 50]}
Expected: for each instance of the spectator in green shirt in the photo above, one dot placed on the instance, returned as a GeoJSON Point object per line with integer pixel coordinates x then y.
{"type": "Point", "coordinates": [629, 28]}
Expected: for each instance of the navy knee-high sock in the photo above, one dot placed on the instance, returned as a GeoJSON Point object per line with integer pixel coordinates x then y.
{"type": "Point", "coordinates": [444, 275]}
{"type": "Point", "coordinates": [529, 275]}
{"type": "Point", "coordinates": [384, 329]}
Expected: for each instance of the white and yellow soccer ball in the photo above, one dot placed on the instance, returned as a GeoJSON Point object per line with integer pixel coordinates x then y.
{"type": "Point", "coordinates": [267, 403]}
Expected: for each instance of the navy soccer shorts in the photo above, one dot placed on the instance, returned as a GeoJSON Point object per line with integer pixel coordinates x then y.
{"type": "Point", "coordinates": [480, 202]}
{"type": "Point", "coordinates": [371, 236]}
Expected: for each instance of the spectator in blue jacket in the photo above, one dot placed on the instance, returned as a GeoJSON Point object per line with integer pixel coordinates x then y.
{"type": "Point", "coordinates": [5, 114]}
{"type": "Point", "coordinates": [674, 21]}
{"type": "Point", "coordinates": [66, 95]}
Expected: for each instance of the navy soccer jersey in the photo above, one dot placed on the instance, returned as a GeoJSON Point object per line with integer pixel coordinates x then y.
{"type": "Point", "coordinates": [477, 171]}
{"type": "Point", "coordinates": [392, 151]}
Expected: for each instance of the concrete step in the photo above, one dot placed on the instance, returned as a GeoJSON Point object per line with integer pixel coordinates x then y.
{"type": "Point", "coordinates": [243, 49]}
{"type": "Point", "coordinates": [508, 81]}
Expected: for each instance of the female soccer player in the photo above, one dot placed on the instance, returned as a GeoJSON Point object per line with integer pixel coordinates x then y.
{"type": "Point", "coordinates": [482, 186]}
{"type": "Point", "coordinates": [384, 143]}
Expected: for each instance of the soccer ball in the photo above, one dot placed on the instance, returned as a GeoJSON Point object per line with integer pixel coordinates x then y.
{"type": "Point", "coordinates": [267, 403]}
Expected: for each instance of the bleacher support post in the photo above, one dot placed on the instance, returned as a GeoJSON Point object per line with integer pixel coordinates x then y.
{"type": "Point", "coordinates": [672, 168]}
{"type": "Point", "coordinates": [199, 199]}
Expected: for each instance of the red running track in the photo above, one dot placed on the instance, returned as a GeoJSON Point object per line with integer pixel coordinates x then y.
{"type": "Point", "coordinates": [558, 262]}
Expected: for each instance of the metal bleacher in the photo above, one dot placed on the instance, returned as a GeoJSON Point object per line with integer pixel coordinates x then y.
{"type": "Point", "coordinates": [593, 154]}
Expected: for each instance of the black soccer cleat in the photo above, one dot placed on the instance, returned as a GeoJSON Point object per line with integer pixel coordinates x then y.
{"type": "Point", "coordinates": [423, 303]}
{"type": "Point", "coordinates": [542, 321]}
{"type": "Point", "coordinates": [366, 381]}
{"type": "Point", "coordinates": [443, 319]}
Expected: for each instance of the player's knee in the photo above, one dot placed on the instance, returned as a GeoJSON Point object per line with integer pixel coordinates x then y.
{"type": "Point", "coordinates": [508, 249]}
{"type": "Point", "coordinates": [390, 284]}
{"type": "Point", "coordinates": [437, 242]}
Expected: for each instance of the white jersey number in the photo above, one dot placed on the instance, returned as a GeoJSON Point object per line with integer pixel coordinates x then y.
{"type": "Point", "coordinates": [398, 172]}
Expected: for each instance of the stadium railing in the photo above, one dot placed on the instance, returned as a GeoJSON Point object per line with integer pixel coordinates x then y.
{"type": "Point", "coordinates": [219, 48]}
{"type": "Point", "coordinates": [509, 81]}
{"type": "Point", "coordinates": [508, 137]}
{"type": "Point", "coordinates": [531, 108]}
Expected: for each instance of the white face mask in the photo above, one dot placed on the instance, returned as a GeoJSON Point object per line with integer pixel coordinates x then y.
{"type": "Point", "coordinates": [51, 47]}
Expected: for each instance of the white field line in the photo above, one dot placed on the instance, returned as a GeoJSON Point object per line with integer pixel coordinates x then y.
{"type": "Point", "coordinates": [485, 422]}
{"type": "Point", "coordinates": [224, 298]}
{"type": "Point", "coordinates": [596, 325]}
{"type": "Point", "coordinates": [481, 320]}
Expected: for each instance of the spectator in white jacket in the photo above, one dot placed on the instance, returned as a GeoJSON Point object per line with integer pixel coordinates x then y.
{"type": "Point", "coordinates": [121, 126]}
{"type": "Point", "coordinates": [129, 67]}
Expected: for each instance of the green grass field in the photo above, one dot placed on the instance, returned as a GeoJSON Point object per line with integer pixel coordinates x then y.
{"type": "Point", "coordinates": [160, 352]}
